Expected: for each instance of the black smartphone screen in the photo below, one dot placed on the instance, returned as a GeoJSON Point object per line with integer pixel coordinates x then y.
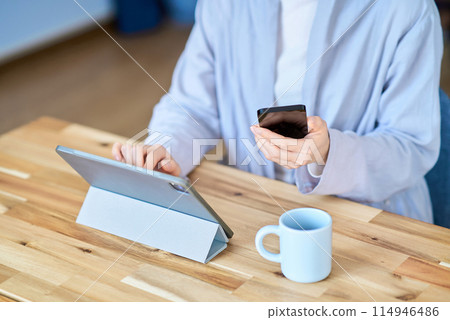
{"type": "Point", "coordinates": [288, 121]}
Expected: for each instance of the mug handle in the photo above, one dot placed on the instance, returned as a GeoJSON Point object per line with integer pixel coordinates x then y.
{"type": "Point", "coordinates": [264, 231]}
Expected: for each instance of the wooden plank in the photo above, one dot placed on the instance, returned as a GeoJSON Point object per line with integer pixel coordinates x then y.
{"type": "Point", "coordinates": [43, 151]}
{"type": "Point", "coordinates": [6, 272]}
{"type": "Point", "coordinates": [20, 164]}
{"type": "Point", "coordinates": [250, 262]}
{"type": "Point", "coordinates": [3, 208]}
{"type": "Point", "coordinates": [67, 249]}
{"type": "Point", "coordinates": [64, 224]}
{"type": "Point", "coordinates": [434, 293]}
{"type": "Point", "coordinates": [29, 288]}
{"type": "Point", "coordinates": [175, 286]}
{"type": "Point", "coordinates": [11, 297]}
{"type": "Point", "coordinates": [412, 226]}
{"type": "Point", "coordinates": [10, 197]}
{"type": "Point", "coordinates": [45, 241]}
{"type": "Point", "coordinates": [64, 181]}
{"type": "Point", "coordinates": [93, 241]}
{"type": "Point", "coordinates": [98, 259]}
{"type": "Point", "coordinates": [257, 289]}
{"type": "Point", "coordinates": [354, 281]}
{"type": "Point", "coordinates": [87, 139]}
{"type": "Point", "coordinates": [102, 139]}
{"type": "Point", "coordinates": [402, 242]}
{"type": "Point", "coordinates": [89, 287]}
{"type": "Point", "coordinates": [40, 124]}
{"type": "Point", "coordinates": [15, 173]}
{"type": "Point", "coordinates": [35, 263]}
{"type": "Point", "coordinates": [9, 201]}
{"type": "Point", "coordinates": [361, 251]}
{"type": "Point", "coordinates": [48, 123]}
{"type": "Point", "coordinates": [425, 271]}
{"type": "Point", "coordinates": [6, 299]}
{"type": "Point", "coordinates": [47, 196]}
{"type": "Point", "coordinates": [226, 279]}
{"type": "Point", "coordinates": [238, 186]}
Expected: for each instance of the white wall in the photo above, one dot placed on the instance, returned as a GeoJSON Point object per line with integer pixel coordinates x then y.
{"type": "Point", "coordinates": [28, 24]}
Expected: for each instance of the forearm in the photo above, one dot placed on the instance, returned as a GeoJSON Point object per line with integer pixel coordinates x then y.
{"type": "Point", "coordinates": [178, 128]}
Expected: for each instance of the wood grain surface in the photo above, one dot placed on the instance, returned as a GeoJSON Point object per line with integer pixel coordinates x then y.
{"type": "Point", "coordinates": [46, 256]}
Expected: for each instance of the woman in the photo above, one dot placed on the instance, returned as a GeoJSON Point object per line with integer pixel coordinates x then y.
{"type": "Point", "coordinates": [368, 72]}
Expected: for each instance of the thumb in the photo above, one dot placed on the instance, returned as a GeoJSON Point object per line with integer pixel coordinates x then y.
{"type": "Point", "coordinates": [314, 123]}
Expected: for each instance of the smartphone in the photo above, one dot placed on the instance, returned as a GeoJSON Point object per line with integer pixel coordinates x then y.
{"type": "Point", "coordinates": [288, 121]}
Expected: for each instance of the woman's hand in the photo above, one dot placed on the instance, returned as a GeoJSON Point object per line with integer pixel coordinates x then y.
{"type": "Point", "coordinates": [293, 153]}
{"type": "Point", "coordinates": [152, 157]}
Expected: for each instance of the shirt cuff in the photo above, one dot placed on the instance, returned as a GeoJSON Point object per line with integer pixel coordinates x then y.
{"type": "Point", "coordinates": [327, 181]}
{"type": "Point", "coordinates": [315, 170]}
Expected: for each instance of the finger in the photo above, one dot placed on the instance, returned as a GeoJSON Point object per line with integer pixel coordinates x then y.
{"type": "Point", "coordinates": [271, 152]}
{"type": "Point", "coordinates": [140, 155]}
{"type": "Point", "coordinates": [116, 151]}
{"type": "Point", "coordinates": [260, 143]}
{"type": "Point", "coordinates": [276, 155]}
{"type": "Point", "coordinates": [285, 158]}
{"type": "Point", "coordinates": [123, 149]}
{"type": "Point", "coordinates": [265, 133]}
{"type": "Point", "coordinates": [289, 144]}
{"type": "Point", "coordinates": [280, 141]}
{"type": "Point", "coordinates": [300, 159]}
{"type": "Point", "coordinates": [133, 154]}
{"type": "Point", "coordinates": [169, 166]}
{"type": "Point", "coordinates": [129, 154]}
{"type": "Point", "coordinates": [155, 154]}
{"type": "Point", "coordinates": [266, 153]}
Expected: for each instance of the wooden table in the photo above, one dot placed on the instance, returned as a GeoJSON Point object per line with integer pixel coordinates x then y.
{"type": "Point", "coordinates": [46, 256]}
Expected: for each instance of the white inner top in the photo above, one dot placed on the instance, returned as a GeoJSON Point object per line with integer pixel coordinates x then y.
{"type": "Point", "coordinates": [296, 19]}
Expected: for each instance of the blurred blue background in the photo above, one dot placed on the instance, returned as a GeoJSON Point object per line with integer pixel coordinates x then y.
{"type": "Point", "coordinates": [29, 24]}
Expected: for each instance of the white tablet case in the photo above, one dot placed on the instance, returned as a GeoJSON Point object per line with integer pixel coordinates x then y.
{"type": "Point", "coordinates": [140, 221]}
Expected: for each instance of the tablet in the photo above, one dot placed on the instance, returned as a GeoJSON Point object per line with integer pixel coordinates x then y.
{"type": "Point", "coordinates": [149, 186]}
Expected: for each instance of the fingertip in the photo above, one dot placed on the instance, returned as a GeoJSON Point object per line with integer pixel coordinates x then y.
{"type": "Point", "coordinates": [168, 165]}
{"type": "Point", "coordinates": [313, 119]}
{"type": "Point", "coordinates": [258, 130]}
{"type": "Point", "coordinates": [172, 168]}
{"type": "Point", "coordinates": [115, 149]}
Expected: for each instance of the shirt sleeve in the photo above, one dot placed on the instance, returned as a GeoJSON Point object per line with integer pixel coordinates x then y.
{"type": "Point", "coordinates": [405, 144]}
{"type": "Point", "coordinates": [315, 170]}
{"type": "Point", "coordinates": [189, 110]}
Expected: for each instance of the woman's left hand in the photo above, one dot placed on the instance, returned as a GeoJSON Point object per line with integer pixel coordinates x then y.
{"type": "Point", "coordinates": [292, 153]}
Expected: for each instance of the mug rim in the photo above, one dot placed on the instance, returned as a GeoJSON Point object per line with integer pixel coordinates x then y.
{"type": "Point", "coordinates": [328, 224]}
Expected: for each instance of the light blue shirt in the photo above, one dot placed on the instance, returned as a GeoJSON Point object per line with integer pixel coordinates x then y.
{"type": "Point", "coordinates": [377, 88]}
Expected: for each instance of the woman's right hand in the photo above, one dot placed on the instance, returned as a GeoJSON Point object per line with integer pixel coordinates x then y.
{"type": "Point", "coordinates": [152, 157]}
